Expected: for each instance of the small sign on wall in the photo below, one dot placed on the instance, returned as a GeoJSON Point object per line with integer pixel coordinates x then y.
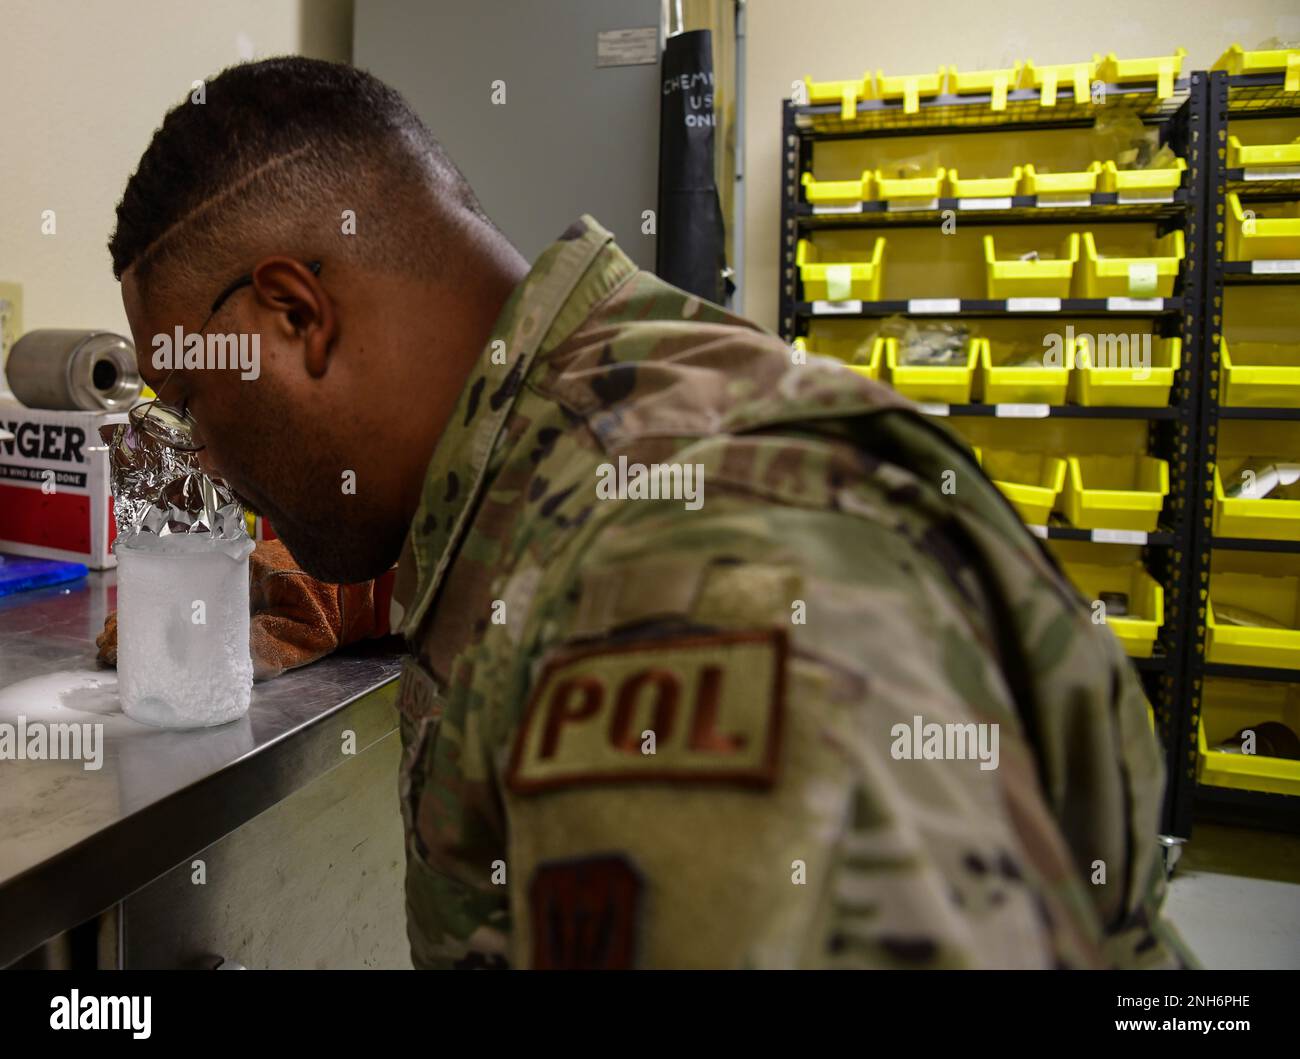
{"type": "Point", "coordinates": [627, 47]}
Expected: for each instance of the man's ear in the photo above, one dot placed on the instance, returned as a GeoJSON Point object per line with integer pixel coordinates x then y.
{"type": "Point", "coordinates": [301, 308]}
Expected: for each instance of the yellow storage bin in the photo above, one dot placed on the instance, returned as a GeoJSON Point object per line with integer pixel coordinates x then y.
{"type": "Point", "coordinates": [1254, 156]}
{"type": "Point", "coordinates": [1029, 480]}
{"type": "Point", "coordinates": [1142, 181]}
{"type": "Point", "coordinates": [1272, 517]}
{"type": "Point", "coordinates": [1003, 383]}
{"type": "Point", "coordinates": [1114, 377]}
{"type": "Point", "coordinates": [1274, 598]}
{"type": "Point", "coordinates": [845, 93]}
{"type": "Point", "coordinates": [1080, 182]}
{"type": "Point", "coordinates": [1101, 276]}
{"type": "Point", "coordinates": [1115, 492]}
{"type": "Point", "coordinates": [1013, 278]}
{"type": "Point", "coordinates": [1236, 60]}
{"type": "Point", "coordinates": [909, 88]}
{"type": "Point", "coordinates": [836, 192]}
{"type": "Point", "coordinates": [1273, 232]}
{"type": "Point", "coordinates": [917, 189]}
{"type": "Point", "coordinates": [977, 82]}
{"type": "Point", "coordinates": [853, 274]}
{"type": "Point", "coordinates": [932, 383]}
{"type": "Point", "coordinates": [1049, 78]}
{"type": "Point", "coordinates": [1228, 707]}
{"type": "Point", "coordinates": [1260, 374]}
{"type": "Point", "coordinates": [1137, 630]}
{"type": "Point", "coordinates": [864, 357]}
{"type": "Point", "coordinates": [1162, 69]}
{"type": "Point", "coordinates": [984, 187]}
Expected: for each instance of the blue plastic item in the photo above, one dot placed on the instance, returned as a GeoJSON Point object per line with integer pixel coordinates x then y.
{"type": "Point", "coordinates": [18, 573]}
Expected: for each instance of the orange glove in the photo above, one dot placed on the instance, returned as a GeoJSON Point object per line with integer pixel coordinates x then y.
{"type": "Point", "coordinates": [295, 618]}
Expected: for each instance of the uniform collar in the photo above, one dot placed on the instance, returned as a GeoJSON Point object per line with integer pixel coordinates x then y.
{"type": "Point", "coordinates": [546, 307]}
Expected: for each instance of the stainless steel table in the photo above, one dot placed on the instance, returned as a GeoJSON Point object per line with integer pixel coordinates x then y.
{"type": "Point", "coordinates": [77, 844]}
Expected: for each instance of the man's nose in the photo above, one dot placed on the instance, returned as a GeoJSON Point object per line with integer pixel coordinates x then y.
{"type": "Point", "coordinates": [152, 377]}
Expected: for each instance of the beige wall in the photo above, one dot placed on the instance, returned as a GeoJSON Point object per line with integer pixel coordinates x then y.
{"type": "Point", "coordinates": [841, 38]}
{"type": "Point", "coordinates": [83, 84]}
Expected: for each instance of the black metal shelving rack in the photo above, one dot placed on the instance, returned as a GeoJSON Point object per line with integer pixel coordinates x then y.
{"type": "Point", "coordinates": [1235, 98]}
{"type": "Point", "coordinates": [1172, 430]}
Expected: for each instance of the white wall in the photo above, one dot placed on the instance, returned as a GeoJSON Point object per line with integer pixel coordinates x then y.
{"type": "Point", "coordinates": [83, 85]}
{"type": "Point", "coordinates": [830, 39]}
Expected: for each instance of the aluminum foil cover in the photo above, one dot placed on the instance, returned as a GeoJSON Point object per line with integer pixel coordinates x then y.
{"type": "Point", "coordinates": [161, 490]}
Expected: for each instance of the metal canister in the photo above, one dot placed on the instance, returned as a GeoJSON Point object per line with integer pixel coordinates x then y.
{"type": "Point", "coordinates": [68, 370]}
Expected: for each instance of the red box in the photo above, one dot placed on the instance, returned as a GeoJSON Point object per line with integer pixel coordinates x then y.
{"type": "Point", "coordinates": [55, 500]}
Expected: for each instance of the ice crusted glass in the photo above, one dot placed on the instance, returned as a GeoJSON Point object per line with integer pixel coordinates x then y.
{"type": "Point", "coordinates": [182, 615]}
{"type": "Point", "coordinates": [182, 592]}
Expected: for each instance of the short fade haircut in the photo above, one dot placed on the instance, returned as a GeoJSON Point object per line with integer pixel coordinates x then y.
{"type": "Point", "coordinates": [268, 162]}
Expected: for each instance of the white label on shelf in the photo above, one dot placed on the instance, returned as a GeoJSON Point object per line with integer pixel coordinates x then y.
{"type": "Point", "coordinates": [893, 206]}
{"type": "Point", "coordinates": [1276, 172]}
{"type": "Point", "coordinates": [1274, 266]}
{"type": "Point", "coordinates": [933, 409]}
{"type": "Point", "coordinates": [627, 47]}
{"type": "Point", "coordinates": [1105, 536]}
{"type": "Point", "coordinates": [1126, 198]}
{"type": "Point", "coordinates": [1050, 201]}
{"type": "Point", "coordinates": [1139, 304]}
{"type": "Point", "coordinates": [1141, 277]}
{"type": "Point", "coordinates": [984, 204]}
{"type": "Point", "coordinates": [831, 308]}
{"type": "Point", "coordinates": [1037, 531]}
{"type": "Point", "coordinates": [934, 305]}
{"type": "Point", "coordinates": [1022, 411]}
{"type": "Point", "coordinates": [852, 207]}
{"type": "Point", "coordinates": [1033, 305]}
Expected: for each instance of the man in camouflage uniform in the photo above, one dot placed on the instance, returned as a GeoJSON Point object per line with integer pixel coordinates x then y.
{"type": "Point", "coordinates": [828, 588]}
{"type": "Point", "coordinates": [682, 609]}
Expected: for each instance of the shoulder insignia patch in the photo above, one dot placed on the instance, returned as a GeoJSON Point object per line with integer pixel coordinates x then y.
{"type": "Point", "coordinates": [584, 915]}
{"type": "Point", "coordinates": [692, 709]}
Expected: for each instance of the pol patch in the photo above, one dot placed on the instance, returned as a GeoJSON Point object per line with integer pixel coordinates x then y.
{"type": "Point", "coordinates": [692, 709]}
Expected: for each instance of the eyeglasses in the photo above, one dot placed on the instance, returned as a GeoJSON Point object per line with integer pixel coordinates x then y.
{"type": "Point", "coordinates": [175, 427]}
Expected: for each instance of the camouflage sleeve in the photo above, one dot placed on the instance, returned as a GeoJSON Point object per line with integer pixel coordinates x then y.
{"type": "Point", "coordinates": [456, 911]}
{"type": "Point", "coordinates": [766, 735]}
{"type": "Point", "coordinates": [1100, 771]}
{"type": "Point", "coordinates": [1137, 935]}
{"type": "Point", "coordinates": [1082, 706]}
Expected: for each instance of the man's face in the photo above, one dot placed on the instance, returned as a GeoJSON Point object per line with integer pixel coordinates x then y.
{"type": "Point", "coordinates": [286, 440]}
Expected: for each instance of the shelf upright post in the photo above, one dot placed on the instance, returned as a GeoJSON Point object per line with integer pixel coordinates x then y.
{"type": "Point", "coordinates": [1195, 138]}
{"type": "Point", "coordinates": [796, 152]}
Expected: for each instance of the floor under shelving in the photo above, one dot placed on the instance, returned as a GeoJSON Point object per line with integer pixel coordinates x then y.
{"type": "Point", "coordinates": [1235, 898]}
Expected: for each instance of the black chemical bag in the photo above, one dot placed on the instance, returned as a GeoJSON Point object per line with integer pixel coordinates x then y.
{"type": "Point", "coordinates": [691, 248]}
